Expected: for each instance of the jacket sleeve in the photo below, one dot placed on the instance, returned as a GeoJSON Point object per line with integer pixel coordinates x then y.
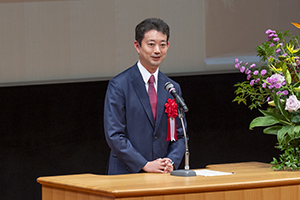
{"type": "Point", "coordinates": [115, 129]}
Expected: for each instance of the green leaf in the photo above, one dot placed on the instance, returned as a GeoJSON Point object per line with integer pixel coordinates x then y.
{"type": "Point", "coordinates": [263, 121]}
{"type": "Point", "coordinates": [281, 133]}
{"type": "Point", "coordinates": [280, 107]}
{"type": "Point", "coordinates": [296, 89]}
{"type": "Point", "coordinates": [287, 74]}
{"type": "Point", "coordinates": [276, 115]}
{"type": "Point", "coordinates": [296, 119]}
{"type": "Point", "coordinates": [291, 132]}
{"type": "Point", "coordinates": [273, 130]}
{"type": "Point", "coordinates": [297, 131]}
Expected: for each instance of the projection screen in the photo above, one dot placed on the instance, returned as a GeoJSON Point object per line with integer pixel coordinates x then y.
{"type": "Point", "coordinates": [55, 41]}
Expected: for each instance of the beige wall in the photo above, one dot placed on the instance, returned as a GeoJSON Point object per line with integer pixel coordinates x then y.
{"type": "Point", "coordinates": [77, 40]}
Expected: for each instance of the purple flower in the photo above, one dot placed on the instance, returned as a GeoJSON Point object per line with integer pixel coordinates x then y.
{"type": "Point", "coordinates": [272, 44]}
{"type": "Point", "coordinates": [236, 60]}
{"type": "Point", "coordinates": [255, 72]}
{"type": "Point", "coordinates": [276, 39]}
{"type": "Point", "coordinates": [270, 57]}
{"type": "Point", "coordinates": [281, 44]}
{"type": "Point", "coordinates": [257, 80]}
{"type": "Point", "coordinates": [242, 69]}
{"type": "Point", "coordinates": [237, 65]}
{"type": "Point", "coordinates": [248, 71]}
{"type": "Point", "coordinates": [264, 85]}
{"type": "Point", "coordinates": [269, 31]}
{"type": "Point", "coordinates": [278, 78]}
{"type": "Point", "coordinates": [277, 85]}
{"type": "Point", "coordinates": [285, 92]}
{"type": "Point", "coordinates": [263, 72]}
{"type": "Point", "coordinates": [253, 65]}
{"type": "Point", "coordinates": [271, 35]}
{"type": "Point", "coordinates": [252, 82]}
{"type": "Point", "coordinates": [278, 93]}
{"type": "Point", "coordinates": [249, 77]}
{"type": "Point", "coordinates": [268, 99]}
{"type": "Point", "coordinates": [278, 50]}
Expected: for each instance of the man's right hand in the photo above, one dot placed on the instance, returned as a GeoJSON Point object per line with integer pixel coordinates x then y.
{"type": "Point", "coordinates": [158, 166]}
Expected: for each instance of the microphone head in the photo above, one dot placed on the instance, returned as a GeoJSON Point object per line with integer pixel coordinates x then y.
{"type": "Point", "coordinates": [169, 86]}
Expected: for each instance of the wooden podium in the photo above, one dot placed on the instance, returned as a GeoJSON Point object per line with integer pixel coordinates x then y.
{"type": "Point", "coordinates": [251, 180]}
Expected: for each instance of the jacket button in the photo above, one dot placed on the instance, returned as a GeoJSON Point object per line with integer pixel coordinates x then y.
{"type": "Point", "coordinates": [155, 136]}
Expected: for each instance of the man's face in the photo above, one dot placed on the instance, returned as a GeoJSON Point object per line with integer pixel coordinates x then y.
{"type": "Point", "coordinates": [153, 49]}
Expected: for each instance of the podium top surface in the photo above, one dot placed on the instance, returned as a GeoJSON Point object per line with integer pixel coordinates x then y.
{"type": "Point", "coordinates": [246, 176]}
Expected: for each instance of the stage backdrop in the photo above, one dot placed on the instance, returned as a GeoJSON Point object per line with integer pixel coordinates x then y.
{"type": "Point", "coordinates": [58, 129]}
{"type": "Point", "coordinates": [46, 41]}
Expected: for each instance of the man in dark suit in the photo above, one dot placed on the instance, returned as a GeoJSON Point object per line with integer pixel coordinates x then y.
{"type": "Point", "coordinates": [135, 121]}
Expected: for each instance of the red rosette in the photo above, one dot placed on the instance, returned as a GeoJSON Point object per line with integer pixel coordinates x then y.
{"type": "Point", "coordinates": [172, 113]}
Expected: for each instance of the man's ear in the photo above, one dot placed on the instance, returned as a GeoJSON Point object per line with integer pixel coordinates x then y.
{"type": "Point", "coordinates": [137, 46]}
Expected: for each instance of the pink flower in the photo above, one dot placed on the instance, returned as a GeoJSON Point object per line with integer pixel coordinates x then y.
{"type": "Point", "coordinates": [248, 71]}
{"type": "Point", "coordinates": [285, 92]}
{"type": "Point", "coordinates": [242, 69]}
{"type": "Point", "coordinates": [292, 103]}
{"type": "Point", "coordinates": [255, 72]}
{"type": "Point", "coordinates": [269, 31]}
{"type": "Point", "coordinates": [253, 65]}
{"type": "Point", "coordinates": [263, 72]}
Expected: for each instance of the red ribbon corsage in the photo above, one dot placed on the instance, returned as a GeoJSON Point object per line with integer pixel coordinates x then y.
{"type": "Point", "coordinates": [171, 110]}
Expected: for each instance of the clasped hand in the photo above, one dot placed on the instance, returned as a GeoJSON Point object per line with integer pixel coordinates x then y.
{"type": "Point", "coordinates": [160, 165]}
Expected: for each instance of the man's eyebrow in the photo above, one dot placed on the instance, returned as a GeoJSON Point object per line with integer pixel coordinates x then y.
{"type": "Point", "coordinates": [152, 40]}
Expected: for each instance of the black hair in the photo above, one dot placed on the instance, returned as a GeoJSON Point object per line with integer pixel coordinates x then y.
{"type": "Point", "coordinates": [151, 24]}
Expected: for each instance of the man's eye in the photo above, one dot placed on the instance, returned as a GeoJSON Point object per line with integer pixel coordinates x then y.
{"type": "Point", "coordinates": [151, 44]}
{"type": "Point", "coordinates": [163, 44]}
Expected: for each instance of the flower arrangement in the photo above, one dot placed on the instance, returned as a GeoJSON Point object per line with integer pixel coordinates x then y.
{"type": "Point", "coordinates": [275, 86]}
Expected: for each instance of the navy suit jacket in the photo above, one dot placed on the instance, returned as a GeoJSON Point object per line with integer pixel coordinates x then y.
{"type": "Point", "coordinates": [130, 129]}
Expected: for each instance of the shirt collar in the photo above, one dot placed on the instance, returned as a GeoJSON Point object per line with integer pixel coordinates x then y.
{"type": "Point", "coordinates": [146, 74]}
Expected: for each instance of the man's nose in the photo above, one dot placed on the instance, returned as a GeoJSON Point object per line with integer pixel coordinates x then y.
{"type": "Point", "coordinates": [156, 49]}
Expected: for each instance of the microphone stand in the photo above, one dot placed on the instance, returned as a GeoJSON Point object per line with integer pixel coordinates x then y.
{"type": "Point", "coordinates": [186, 171]}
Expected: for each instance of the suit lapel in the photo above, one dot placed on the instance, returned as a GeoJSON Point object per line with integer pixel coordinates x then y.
{"type": "Point", "coordinates": [139, 86]}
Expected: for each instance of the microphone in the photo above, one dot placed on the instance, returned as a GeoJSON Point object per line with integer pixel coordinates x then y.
{"type": "Point", "coordinates": [171, 89]}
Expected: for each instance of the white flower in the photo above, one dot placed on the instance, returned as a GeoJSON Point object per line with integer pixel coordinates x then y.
{"type": "Point", "coordinates": [292, 103]}
{"type": "Point", "coordinates": [279, 77]}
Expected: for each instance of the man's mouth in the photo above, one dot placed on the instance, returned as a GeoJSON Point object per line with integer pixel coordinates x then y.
{"type": "Point", "coordinates": [156, 57]}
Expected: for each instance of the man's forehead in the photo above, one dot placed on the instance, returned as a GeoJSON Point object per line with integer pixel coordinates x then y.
{"type": "Point", "coordinates": [154, 35]}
